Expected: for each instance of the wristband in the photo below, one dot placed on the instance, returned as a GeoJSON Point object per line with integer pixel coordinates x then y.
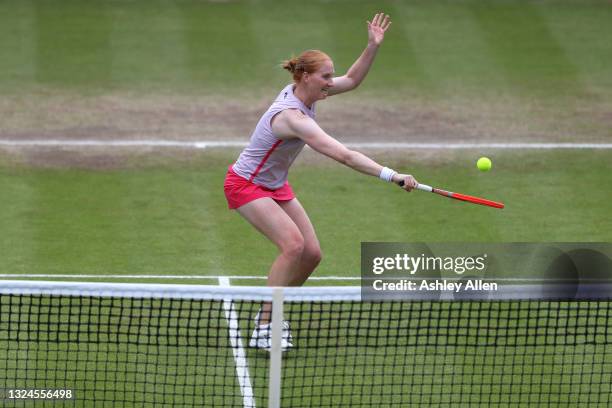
{"type": "Point", "coordinates": [387, 174]}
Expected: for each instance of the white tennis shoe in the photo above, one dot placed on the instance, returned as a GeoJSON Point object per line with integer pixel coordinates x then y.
{"type": "Point", "coordinates": [262, 336]}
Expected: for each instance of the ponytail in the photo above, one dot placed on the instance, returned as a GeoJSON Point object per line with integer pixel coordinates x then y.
{"type": "Point", "coordinates": [308, 61]}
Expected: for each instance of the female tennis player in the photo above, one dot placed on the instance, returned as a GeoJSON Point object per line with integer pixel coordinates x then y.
{"type": "Point", "coordinates": [256, 184]}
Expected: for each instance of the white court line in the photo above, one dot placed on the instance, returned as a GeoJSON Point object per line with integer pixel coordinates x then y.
{"type": "Point", "coordinates": [204, 144]}
{"type": "Point", "coordinates": [238, 277]}
{"type": "Point", "coordinates": [215, 277]}
{"type": "Point", "coordinates": [449, 146]}
{"type": "Point", "coordinates": [242, 367]}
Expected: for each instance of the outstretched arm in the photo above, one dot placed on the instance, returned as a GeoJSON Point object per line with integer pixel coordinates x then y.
{"type": "Point", "coordinates": [358, 71]}
{"type": "Point", "coordinates": [293, 123]}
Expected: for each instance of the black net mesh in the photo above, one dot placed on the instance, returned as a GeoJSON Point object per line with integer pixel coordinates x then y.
{"type": "Point", "coordinates": [182, 352]}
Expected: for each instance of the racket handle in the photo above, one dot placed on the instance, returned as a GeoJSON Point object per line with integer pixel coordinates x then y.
{"type": "Point", "coordinates": [422, 187]}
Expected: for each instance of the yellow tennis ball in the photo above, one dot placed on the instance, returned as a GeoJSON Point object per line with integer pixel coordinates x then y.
{"type": "Point", "coordinates": [484, 164]}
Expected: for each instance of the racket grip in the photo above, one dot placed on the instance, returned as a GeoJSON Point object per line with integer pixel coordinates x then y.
{"type": "Point", "coordinates": [422, 187]}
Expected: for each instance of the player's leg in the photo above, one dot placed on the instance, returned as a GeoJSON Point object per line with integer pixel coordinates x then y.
{"type": "Point", "coordinates": [276, 225]}
{"type": "Point", "coordinates": [311, 255]}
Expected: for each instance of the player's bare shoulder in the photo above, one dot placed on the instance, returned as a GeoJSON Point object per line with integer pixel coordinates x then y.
{"type": "Point", "coordinates": [284, 123]}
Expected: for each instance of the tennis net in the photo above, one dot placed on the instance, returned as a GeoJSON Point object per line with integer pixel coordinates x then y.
{"type": "Point", "coordinates": [181, 345]}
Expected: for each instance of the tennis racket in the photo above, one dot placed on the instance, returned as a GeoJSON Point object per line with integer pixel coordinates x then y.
{"type": "Point", "coordinates": [457, 196]}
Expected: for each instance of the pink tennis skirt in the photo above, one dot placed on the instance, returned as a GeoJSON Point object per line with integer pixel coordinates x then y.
{"type": "Point", "coordinates": [240, 191]}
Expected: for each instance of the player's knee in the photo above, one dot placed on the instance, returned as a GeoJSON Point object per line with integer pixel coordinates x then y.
{"type": "Point", "coordinates": [293, 247]}
{"type": "Point", "coordinates": [313, 255]}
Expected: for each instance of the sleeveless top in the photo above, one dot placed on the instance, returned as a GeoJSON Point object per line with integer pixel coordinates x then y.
{"type": "Point", "coordinates": [266, 160]}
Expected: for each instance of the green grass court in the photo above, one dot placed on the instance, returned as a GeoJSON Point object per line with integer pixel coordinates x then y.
{"type": "Point", "coordinates": [448, 72]}
{"type": "Point", "coordinates": [172, 218]}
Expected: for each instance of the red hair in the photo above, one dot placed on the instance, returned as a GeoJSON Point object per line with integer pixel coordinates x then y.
{"type": "Point", "coordinates": [308, 61]}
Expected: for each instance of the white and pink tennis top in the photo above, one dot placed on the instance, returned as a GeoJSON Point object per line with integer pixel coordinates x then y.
{"type": "Point", "coordinates": [266, 160]}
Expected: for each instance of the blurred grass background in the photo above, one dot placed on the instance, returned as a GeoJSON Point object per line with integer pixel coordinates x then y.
{"type": "Point", "coordinates": [540, 48]}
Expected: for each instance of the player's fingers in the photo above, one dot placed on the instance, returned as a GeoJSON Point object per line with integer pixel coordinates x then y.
{"type": "Point", "coordinates": [407, 185]}
{"type": "Point", "coordinates": [411, 182]}
{"type": "Point", "coordinates": [386, 26]}
{"type": "Point", "coordinates": [384, 21]}
{"type": "Point", "coordinates": [377, 18]}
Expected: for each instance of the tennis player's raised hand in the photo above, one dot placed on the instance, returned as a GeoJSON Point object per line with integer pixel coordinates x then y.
{"type": "Point", "coordinates": [376, 29]}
